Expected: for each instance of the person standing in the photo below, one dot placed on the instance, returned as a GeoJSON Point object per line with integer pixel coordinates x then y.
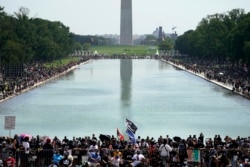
{"type": "Point", "coordinates": [26, 147]}
{"type": "Point", "coordinates": [15, 147]}
{"type": "Point", "coordinates": [164, 151]}
{"type": "Point", "coordinates": [182, 151]}
{"type": "Point", "coordinates": [48, 152]}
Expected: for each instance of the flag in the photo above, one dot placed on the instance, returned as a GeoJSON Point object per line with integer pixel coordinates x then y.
{"type": "Point", "coordinates": [131, 126]}
{"type": "Point", "coordinates": [131, 136]}
{"type": "Point", "coordinates": [119, 135]}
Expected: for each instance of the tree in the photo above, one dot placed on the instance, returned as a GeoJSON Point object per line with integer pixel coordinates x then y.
{"type": "Point", "coordinates": [246, 50]}
{"type": "Point", "coordinates": [218, 37]}
{"type": "Point", "coordinates": [24, 39]}
{"type": "Point", "coordinates": [166, 45]}
{"type": "Point", "coordinates": [150, 40]}
{"type": "Point", "coordinates": [86, 46]}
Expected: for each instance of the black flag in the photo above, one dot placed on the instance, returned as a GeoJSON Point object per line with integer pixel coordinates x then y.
{"type": "Point", "coordinates": [131, 126]}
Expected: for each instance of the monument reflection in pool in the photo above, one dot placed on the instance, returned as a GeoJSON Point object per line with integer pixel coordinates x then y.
{"type": "Point", "coordinates": [126, 70]}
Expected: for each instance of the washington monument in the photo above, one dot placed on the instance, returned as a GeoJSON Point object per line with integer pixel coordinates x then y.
{"type": "Point", "coordinates": [126, 30]}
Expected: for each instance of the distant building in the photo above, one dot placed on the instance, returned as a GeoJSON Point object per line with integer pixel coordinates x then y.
{"type": "Point", "coordinates": [159, 33]}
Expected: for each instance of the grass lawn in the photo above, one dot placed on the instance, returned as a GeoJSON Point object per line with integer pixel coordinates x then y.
{"type": "Point", "coordinates": [110, 51]}
{"type": "Point", "coordinates": [138, 50]}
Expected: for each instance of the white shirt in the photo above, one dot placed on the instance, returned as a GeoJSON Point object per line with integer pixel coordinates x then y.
{"type": "Point", "coordinates": [26, 146]}
{"type": "Point", "coordinates": [115, 161]}
{"type": "Point", "coordinates": [93, 147]}
{"type": "Point", "coordinates": [137, 159]}
{"type": "Point", "coordinates": [165, 149]}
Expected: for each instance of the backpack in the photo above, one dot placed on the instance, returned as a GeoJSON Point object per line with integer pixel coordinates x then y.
{"type": "Point", "coordinates": [182, 149]}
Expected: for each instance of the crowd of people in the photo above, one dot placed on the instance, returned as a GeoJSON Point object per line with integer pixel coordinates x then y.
{"type": "Point", "coordinates": [93, 151]}
{"type": "Point", "coordinates": [236, 76]}
{"type": "Point", "coordinates": [31, 75]}
{"type": "Point", "coordinates": [24, 151]}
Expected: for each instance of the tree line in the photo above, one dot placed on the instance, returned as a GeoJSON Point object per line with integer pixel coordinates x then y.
{"type": "Point", "coordinates": [219, 37]}
{"type": "Point", "coordinates": [24, 40]}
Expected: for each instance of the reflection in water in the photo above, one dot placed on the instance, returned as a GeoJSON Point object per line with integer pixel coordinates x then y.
{"type": "Point", "coordinates": [126, 77]}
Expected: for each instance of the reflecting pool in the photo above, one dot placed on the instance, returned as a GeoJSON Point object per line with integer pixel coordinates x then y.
{"type": "Point", "coordinates": [97, 98]}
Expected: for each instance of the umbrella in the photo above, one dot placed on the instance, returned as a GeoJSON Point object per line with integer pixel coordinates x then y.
{"type": "Point", "coordinates": [177, 139]}
{"type": "Point", "coordinates": [103, 137]}
{"type": "Point", "coordinates": [23, 135]}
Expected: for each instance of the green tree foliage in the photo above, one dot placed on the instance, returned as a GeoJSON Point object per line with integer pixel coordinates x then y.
{"type": "Point", "coordinates": [150, 40]}
{"type": "Point", "coordinates": [246, 50]}
{"type": "Point", "coordinates": [219, 37]}
{"type": "Point", "coordinates": [24, 39]}
{"type": "Point", "coordinates": [166, 45]}
{"type": "Point", "coordinates": [86, 46]}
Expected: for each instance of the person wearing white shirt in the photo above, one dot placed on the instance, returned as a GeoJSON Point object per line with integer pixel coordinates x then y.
{"type": "Point", "coordinates": [115, 161]}
{"type": "Point", "coordinates": [165, 150]}
{"type": "Point", "coordinates": [26, 146]}
{"type": "Point", "coordinates": [137, 158]}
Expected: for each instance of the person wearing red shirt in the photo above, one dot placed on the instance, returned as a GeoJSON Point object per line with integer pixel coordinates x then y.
{"type": "Point", "coordinates": [10, 161]}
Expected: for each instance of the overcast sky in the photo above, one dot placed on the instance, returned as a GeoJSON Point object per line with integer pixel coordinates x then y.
{"type": "Point", "coordinates": [97, 17]}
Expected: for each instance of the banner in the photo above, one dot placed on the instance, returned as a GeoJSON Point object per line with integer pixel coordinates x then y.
{"type": "Point", "coordinates": [131, 136]}
{"type": "Point", "coordinates": [131, 126]}
{"type": "Point", "coordinates": [119, 135]}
